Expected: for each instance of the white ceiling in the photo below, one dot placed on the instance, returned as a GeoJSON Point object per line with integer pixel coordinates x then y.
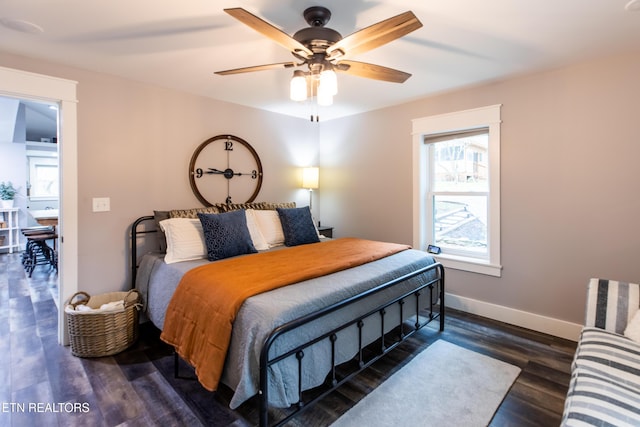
{"type": "Point", "coordinates": [179, 44]}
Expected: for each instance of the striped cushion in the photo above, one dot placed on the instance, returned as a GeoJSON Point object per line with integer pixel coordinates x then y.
{"type": "Point", "coordinates": [193, 212]}
{"type": "Point", "coordinates": [611, 304]}
{"type": "Point", "coordinates": [605, 378]}
{"type": "Point", "coordinates": [265, 206]}
{"type": "Point", "coordinates": [237, 206]}
{"type": "Point", "coordinates": [608, 355]}
{"type": "Point", "coordinates": [596, 401]}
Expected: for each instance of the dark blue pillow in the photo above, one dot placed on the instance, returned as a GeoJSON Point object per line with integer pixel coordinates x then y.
{"type": "Point", "coordinates": [226, 234]}
{"type": "Point", "coordinates": [297, 226]}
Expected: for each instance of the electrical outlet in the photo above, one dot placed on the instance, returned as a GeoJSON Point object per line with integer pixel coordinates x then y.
{"type": "Point", "coordinates": [101, 204]}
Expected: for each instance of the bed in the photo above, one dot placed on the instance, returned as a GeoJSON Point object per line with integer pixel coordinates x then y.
{"type": "Point", "coordinates": [294, 338]}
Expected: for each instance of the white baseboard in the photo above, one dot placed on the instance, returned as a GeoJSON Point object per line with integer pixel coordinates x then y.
{"type": "Point", "coordinates": [536, 322]}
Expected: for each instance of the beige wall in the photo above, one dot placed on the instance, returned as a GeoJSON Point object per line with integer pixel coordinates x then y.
{"type": "Point", "coordinates": [134, 144]}
{"type": "Point", "coordinates": [570, 202]}
{"type": "Point", "coordinates": [569, 188]}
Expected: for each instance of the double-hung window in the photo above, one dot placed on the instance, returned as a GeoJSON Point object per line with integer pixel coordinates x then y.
{"type": "Point", "coordinates": [457, 188]}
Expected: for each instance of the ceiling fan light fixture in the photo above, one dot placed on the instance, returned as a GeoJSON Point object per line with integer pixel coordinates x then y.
{"type": "Point", "coordinates": [329, 82]}
{"type": "Point", "coordinates": [298, 86]}
{"type": "Point", "coordinates": [324, 51]}
{"type": "Point", "coordinates": [324, 97]}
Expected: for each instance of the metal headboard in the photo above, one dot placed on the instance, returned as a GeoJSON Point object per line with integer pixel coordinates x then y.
{"type": "Point", "coordinates": [137, 230]}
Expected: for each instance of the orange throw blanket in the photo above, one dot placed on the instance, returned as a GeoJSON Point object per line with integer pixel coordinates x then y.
{"type": "Point", "coordinates": [201, 312]}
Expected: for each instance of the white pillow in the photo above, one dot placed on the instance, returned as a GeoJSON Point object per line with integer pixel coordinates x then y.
{"type": "Point", "coordinates": [185, 239]}
{"type": "Point", "coordinates": [632, 330]}
{"type": "Point", "coordinates": [270, 227]}
{"type": "Point", "coordinates": [259, 242]}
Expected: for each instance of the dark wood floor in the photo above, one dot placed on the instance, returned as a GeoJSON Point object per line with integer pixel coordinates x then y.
{"type": "Point", "coordinates": [37, 376]}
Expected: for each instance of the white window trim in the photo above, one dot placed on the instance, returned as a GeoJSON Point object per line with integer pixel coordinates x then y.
{"type": "Point", "coordinates": [457, 121]}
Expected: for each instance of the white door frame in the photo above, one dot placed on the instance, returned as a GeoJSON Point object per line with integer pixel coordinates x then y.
{"type": "Point", "coordinates": [22, 84]}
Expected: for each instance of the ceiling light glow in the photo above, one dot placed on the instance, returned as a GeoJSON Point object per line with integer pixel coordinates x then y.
{"type": "Point", "coordinates": [632, 6]}
{"type": "Point", "coordinates": [21, 26]}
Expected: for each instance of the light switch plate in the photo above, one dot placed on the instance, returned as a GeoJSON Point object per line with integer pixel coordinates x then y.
{"type": "Point", "coordinates": [101, 204]}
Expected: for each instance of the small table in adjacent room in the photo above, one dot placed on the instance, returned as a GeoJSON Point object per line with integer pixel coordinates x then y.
{"type": "Point", "coordinates": [48, 217]}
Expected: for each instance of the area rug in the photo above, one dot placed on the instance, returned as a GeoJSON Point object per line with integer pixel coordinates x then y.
{"type": "Point", "coordinates": [444, 385]}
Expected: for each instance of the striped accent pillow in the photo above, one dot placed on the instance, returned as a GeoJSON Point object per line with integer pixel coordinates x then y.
{"type": "Point", "coordinates": [611, 304]}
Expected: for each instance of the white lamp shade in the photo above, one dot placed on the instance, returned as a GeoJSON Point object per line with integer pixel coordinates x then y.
{"type": "Point", "coordinates": [310, 177]}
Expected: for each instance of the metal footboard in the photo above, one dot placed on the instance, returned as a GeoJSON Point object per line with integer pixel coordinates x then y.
{"type": "Point", "coordinates": [434, 286]}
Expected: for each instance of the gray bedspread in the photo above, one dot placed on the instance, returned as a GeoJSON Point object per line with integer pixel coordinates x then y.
{"type": "Point", "coordinates": [260, 314]}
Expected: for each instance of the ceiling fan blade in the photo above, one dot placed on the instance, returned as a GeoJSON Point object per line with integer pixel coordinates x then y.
{"type": "Point", "coordinates": [257, 68]}
{"type": "Point", "coordinates": [375, 35]}
{"type": "Point", "coordinates": [266, 29]}
{"type": "Point", "coordinates": [372, 71]}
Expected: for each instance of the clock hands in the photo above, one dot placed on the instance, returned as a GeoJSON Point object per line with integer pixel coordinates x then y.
{"type": "Point", "coordinates": [212, 171]}
{"type": "Point", "coordinates": [227, 173]}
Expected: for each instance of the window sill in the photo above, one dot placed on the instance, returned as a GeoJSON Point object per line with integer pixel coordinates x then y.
{"type": "Point", "coordinates": [472, 265]}
{"type": "Point", "coordinates": [43, 198]}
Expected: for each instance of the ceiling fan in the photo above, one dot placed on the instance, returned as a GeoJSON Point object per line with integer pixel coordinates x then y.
{"type": "Point", "coordinates": [324, 50]}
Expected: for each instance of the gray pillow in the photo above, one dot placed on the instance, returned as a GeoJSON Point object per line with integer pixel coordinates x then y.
{"type": "Point", "coordinates": [297, 226]}
{"type": "Point", "coordinates": [226, 235]}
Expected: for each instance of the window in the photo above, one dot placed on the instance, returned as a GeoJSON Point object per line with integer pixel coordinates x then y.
{"type": "Point", "coordinates": [458, 191]}
{"type": "Point", "coordinates": [457, 188]}
{"type": "Point", "coordinates": [43, 178]}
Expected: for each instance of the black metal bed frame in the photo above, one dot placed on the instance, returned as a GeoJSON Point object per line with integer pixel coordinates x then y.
{"type": "Point", "coordinates": [335, 379]}
{"type": "Point", "coordinates": [135, 233]}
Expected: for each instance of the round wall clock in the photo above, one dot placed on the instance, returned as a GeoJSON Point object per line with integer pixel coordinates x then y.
{"type": "Point", "coordinates": [226, 169]}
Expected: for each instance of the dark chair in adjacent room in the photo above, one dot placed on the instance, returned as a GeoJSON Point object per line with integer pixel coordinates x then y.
{"type": "Point", "coordinates": [37, 251]}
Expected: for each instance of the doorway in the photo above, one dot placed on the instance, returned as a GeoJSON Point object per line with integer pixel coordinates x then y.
{"type": "Point", "coordinates": [28, 143]}
{"type": "Point", "coordinates": [21, 84]}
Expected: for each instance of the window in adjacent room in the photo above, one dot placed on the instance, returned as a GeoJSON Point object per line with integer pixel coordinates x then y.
{"type": "Point", "coordinates": [457, 188]}
{"type": "Point", "coordinates": [43, 178]}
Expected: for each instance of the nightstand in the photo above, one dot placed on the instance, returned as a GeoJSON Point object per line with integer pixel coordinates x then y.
{"type": "Point", "coordinates": [326, 231]}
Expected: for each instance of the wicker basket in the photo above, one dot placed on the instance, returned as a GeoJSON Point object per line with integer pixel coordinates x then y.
{"type": "Point", "coordinates": [97, 334]}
